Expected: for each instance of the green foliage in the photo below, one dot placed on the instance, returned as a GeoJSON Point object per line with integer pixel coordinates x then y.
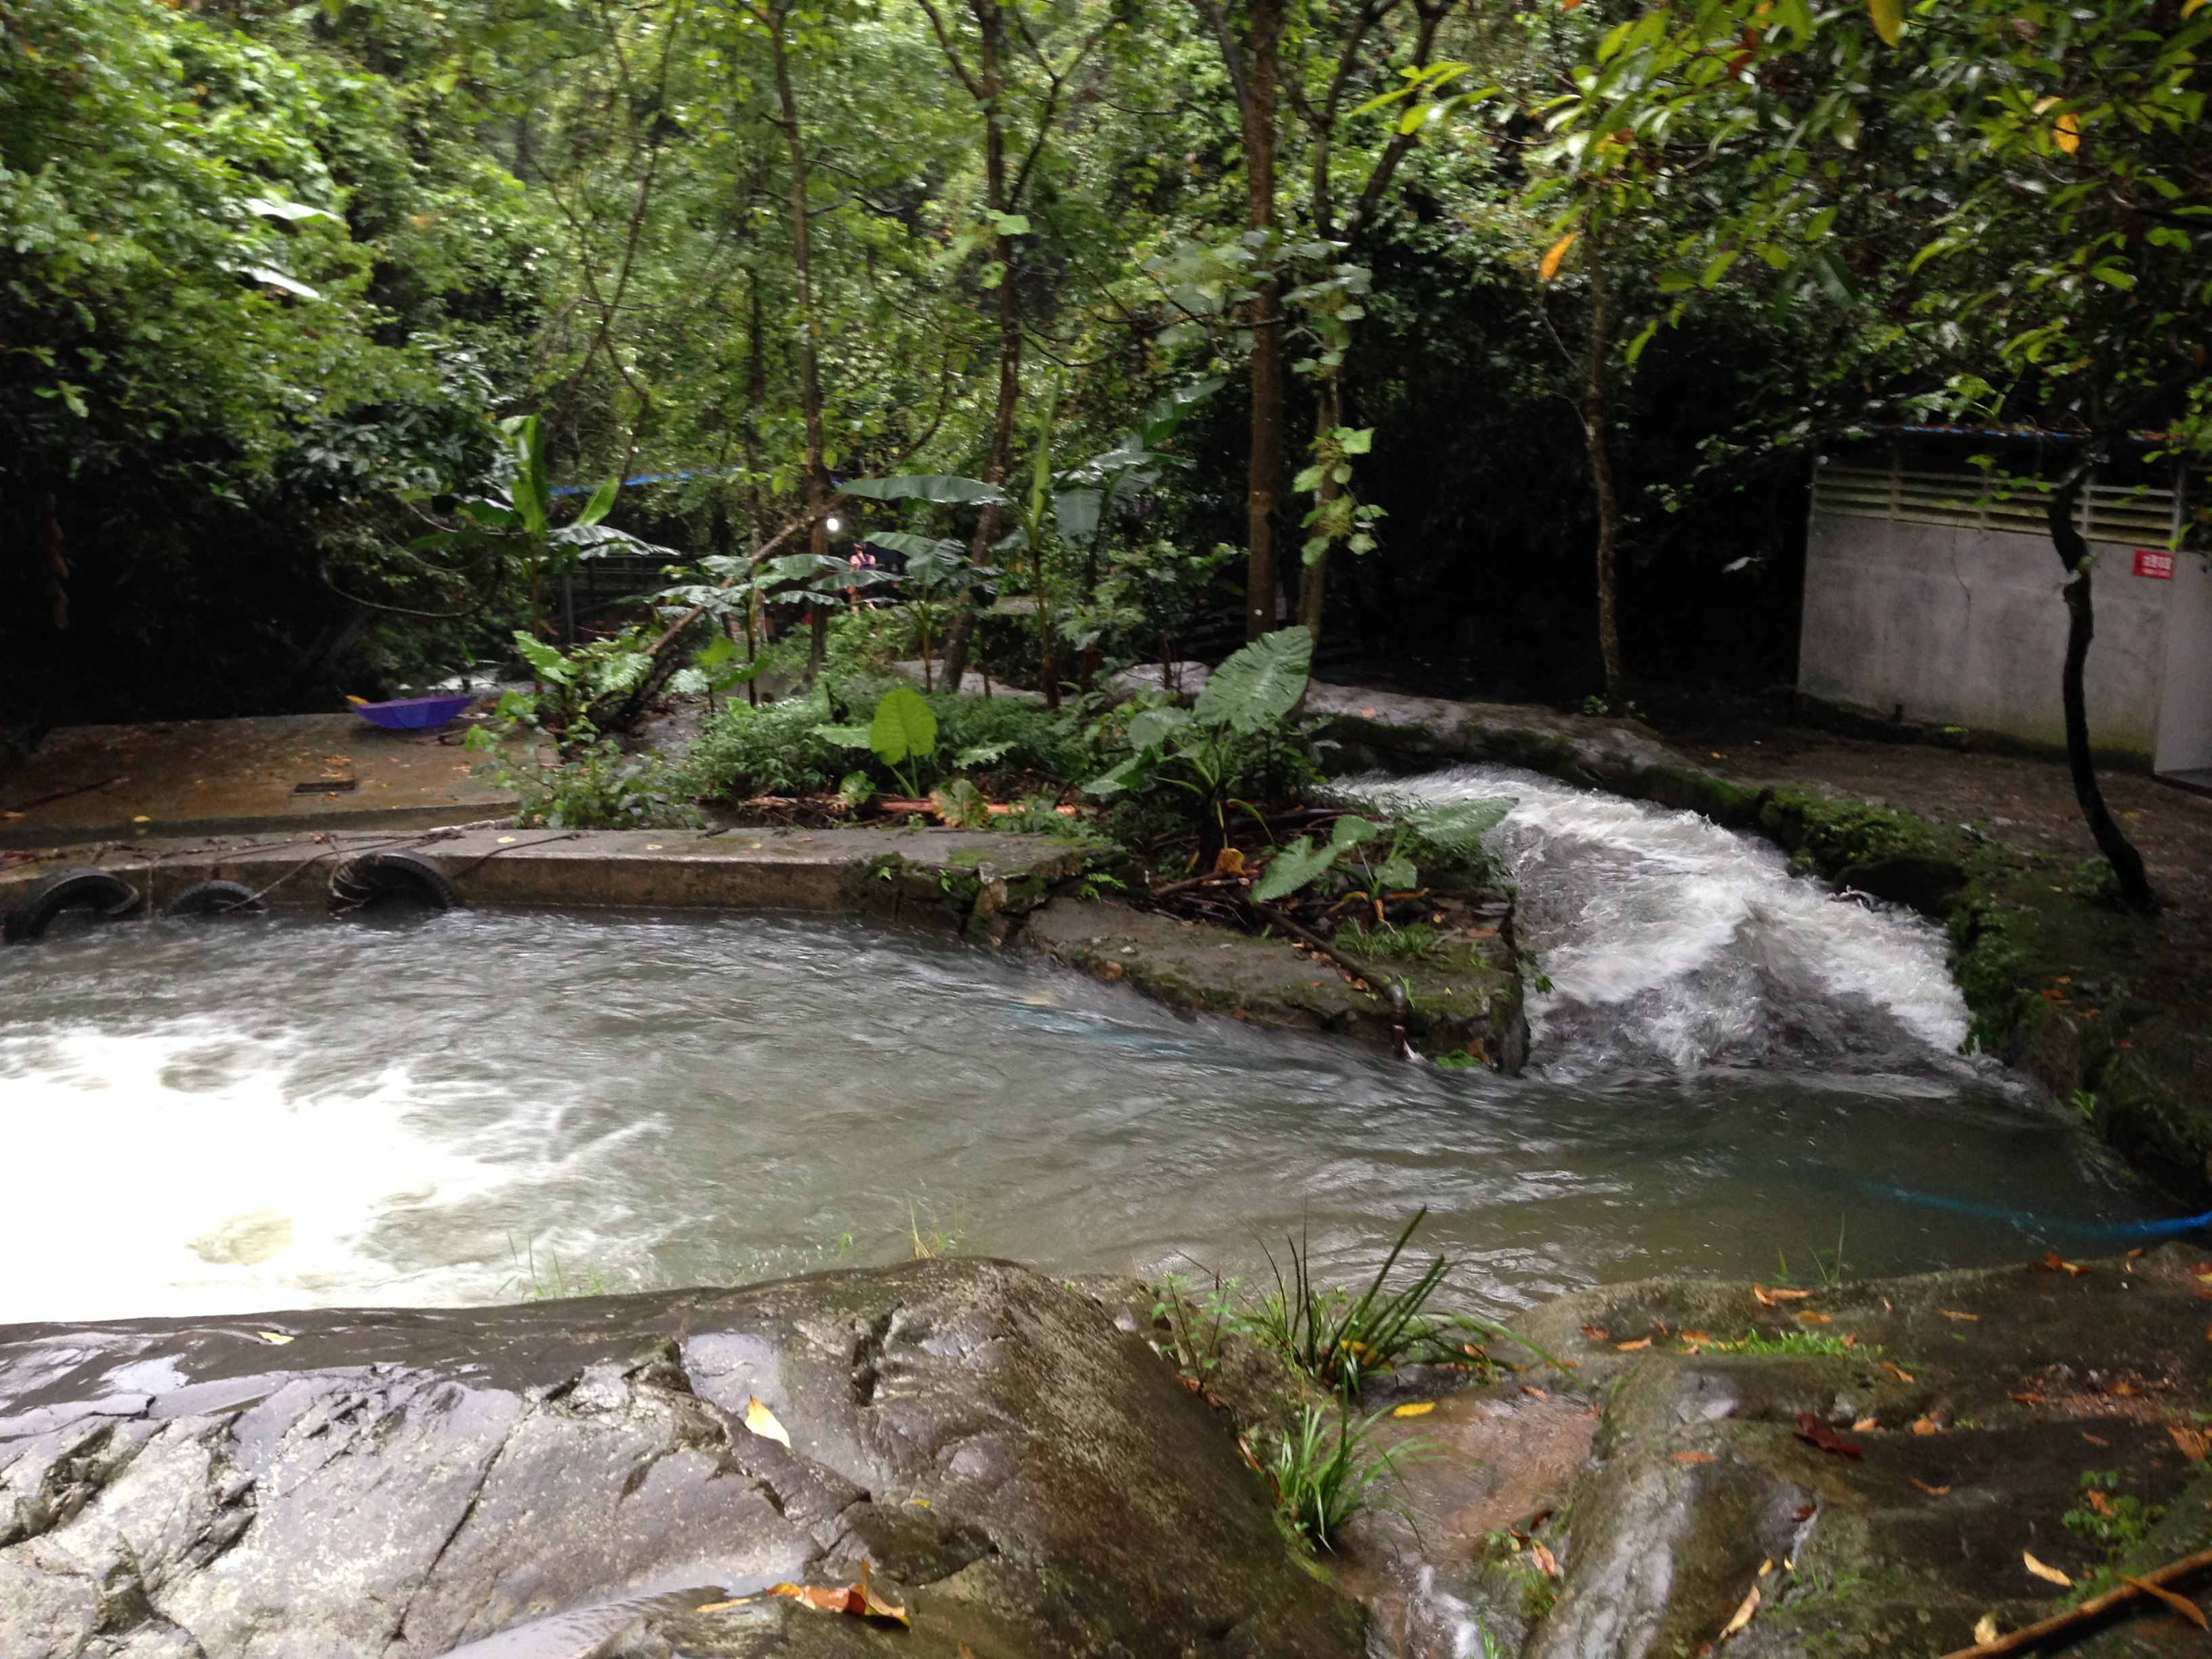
{"type": "Point", "coordinates": [1334, 1337]}
{"type": "Point", "coordinates": [1450, 834]}
{"type": "Point", "coordinates": [1227, 736]}
{"type": "Point", "coordinates": [777, 749]}
{"type": "Point", "coordinates": [594, 786]}
{"type": "Point", "coordinates": [1320, 1479]}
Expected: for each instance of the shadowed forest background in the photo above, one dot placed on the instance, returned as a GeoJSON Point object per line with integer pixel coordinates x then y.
{"type": "Point", "coordinates": [271, 273]}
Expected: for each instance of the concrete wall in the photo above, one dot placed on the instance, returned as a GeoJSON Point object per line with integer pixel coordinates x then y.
{"type": "Point", "coordinates": [1965, 627]}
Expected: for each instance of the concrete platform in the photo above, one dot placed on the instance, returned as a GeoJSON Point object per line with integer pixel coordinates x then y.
{"type": "Point", "coordinates": [973, 879]}
{"type": "Point", "coordinates": [88, 783]}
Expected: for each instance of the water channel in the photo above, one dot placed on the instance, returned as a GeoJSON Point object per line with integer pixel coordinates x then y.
{"type": "Point", "coordinates": [1732, 1067]}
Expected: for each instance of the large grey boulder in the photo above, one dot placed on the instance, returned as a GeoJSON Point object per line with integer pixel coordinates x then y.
{"type": "Point", "coordinates": [575, 1480]}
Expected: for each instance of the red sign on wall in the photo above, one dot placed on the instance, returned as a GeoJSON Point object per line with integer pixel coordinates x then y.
{"type": "Point", "coordinates": [2159, 566]}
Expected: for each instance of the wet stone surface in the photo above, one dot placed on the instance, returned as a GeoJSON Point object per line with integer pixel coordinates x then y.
{"type": "Point", "coordinates": [564, 1480]}
{"type": "Point", "coordinates": [1976, 1403]}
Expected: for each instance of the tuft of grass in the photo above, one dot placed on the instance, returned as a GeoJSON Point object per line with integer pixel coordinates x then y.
{"type": "Point", "coordinates": [529, 1287]}
{"type": "Point", "coordinates": [943, 1237]}
{"type": "Point", "coordinates": [1321, 1480]}
{"type": "Point", "coordinates": [1332, 1337]}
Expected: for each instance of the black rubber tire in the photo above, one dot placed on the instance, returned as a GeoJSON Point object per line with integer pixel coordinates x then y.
{"type": "Point", "coordinates": [217, 898]}
{"type": "Point", "coordinates": [68, 890]}
{"type": "Point", "coordinates": [361, 883]}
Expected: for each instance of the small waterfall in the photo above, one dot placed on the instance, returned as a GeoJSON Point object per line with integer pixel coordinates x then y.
{"type": "Point", "coordinates": [1673, 945]}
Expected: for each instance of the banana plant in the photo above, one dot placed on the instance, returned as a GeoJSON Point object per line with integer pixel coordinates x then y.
{"type": "Point", "coordinates": [518, 516]}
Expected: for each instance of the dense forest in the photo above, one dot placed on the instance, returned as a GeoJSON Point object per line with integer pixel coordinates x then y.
{"type": "Point", "coordinates": [1494, 342]}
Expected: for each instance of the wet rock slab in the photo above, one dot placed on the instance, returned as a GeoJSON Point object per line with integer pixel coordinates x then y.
{"type": "Point", "coordinates": [1987, 1397]}
{"type": "Point", "coordinates": [1473, 1011]}
{"type": "Point", "coordinates": [565, 1479]}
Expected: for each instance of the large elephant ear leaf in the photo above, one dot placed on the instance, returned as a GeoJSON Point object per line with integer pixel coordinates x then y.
{"type": "Point", "coordinates": [903, 726]}
{"type": "Point", "coordinates": [1293, 867]}
{"type": "Point", "coordinates": [940, 487]}
{"type": "Point", "coordinates": [1260, 684]}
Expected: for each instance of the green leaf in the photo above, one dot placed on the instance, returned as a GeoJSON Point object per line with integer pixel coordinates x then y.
{"type": "Point", "coordinates": [1350, 830]}
{"type": "Point", "coordinates": [1260, 685]}
{"type": "Point", "coordinates": [1398, 872]}
{"type": "Point", "coordinates": [1357, 442]}
{"type": "Point", "coordinates": [1888, 20]}
{"type": "Point", "coordinates": [1133, 773]}
{"type": "Point", "coordinates": [980, 754]}
{"type": "Point", "coordinates": [546, 662]}
{"type": "Point", "coordinates": [602, 503]}
{"type": "Point", "coordinates": [846, 737]}
{"type": "Point", "coordinates": [903, 726]}
{"type": "Point", "coordinates": [1297, 865]}
{"type": "Point", "coordinates": [1009, 224]}
{"type": "Point", "coordinates": [924, 487]}
{"type": "Point", "coordinates": [1154, 726]}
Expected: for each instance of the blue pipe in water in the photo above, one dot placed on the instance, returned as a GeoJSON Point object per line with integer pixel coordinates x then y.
{"type": "Point", "coordinates": [2027, 1219]}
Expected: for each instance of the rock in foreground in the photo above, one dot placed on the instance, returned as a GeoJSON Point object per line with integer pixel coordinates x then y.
{"type": "Point", "coordinates": [578, 1479]}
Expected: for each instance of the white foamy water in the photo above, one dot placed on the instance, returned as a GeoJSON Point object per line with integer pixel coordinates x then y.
{"type": "Point", "coordinates": [188, 1167]}
{"type": "Point", "coordinates": [1673, 943]}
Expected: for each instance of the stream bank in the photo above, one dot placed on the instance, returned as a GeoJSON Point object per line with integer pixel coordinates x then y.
{"type": "Point", "coordinates": [1006, 1462]}
{"type": "Point", "coordinates": [2106, 1011]}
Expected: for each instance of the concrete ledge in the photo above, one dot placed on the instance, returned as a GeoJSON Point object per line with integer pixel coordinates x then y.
{"type": "Point", "coordinates": [969, 879]}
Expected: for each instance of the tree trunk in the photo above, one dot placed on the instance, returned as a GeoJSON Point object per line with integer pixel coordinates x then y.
{"type": "Point", "coordinates": [51, 548]}
{"type": "Point", "coordinates": [810, 382]}
{"type": "Point", "coordinates": [989, 85]}
{"type": "Point", "coordinates": [2062, 513]}
{"type": "Point", "coordinates": [1264, 485]}
{"type": "Point", "coordinates": [1594, 412]}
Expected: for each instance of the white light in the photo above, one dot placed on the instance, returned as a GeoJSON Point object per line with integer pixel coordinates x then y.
{"type": "Point", "coordinates": [834, 526]}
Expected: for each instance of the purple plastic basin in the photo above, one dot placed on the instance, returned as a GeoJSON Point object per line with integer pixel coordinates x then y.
{"type": "Point", "coordinates": [412, 714]}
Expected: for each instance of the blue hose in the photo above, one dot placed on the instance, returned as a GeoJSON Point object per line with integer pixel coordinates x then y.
{"type": "Point", "coordinates": [2029, 1220]}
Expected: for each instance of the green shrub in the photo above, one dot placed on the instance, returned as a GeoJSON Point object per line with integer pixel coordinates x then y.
{"type": "Point", "coordinates": [772, 749]}
{"type": "Point", "coordinates": [597, 786]}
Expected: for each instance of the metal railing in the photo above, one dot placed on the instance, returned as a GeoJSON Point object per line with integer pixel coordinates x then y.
{"type": "Point", "coordinates": [2110, 513]}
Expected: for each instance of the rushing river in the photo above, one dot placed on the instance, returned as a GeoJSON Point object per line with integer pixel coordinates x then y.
{"type": "Point", "coordinates": [1732, 1067]}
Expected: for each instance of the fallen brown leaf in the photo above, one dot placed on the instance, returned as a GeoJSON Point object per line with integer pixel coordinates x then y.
{"type": "Point", "coordinates": [1637, 1347]}
{"type": "Point", "coordinates": [2093, 1440]}
{"type": "Point", "coordinates": [2181, 1604]}
{"type": "Point", "coordinates": [1811, 1428]}
{"type": "Point", "coordinates": [1953, 1313]}
{"type": "Point", "coordinates": [1698, 1338]}
{"type": "Point", "coordinates": [1597, 1332]}
{"type": "Point", "coordinates": [1811, 1318]}
{"type": "Point", "coordinates": [1985, 1629]}
{"type": "Point", "coordinates": [763, 1422]}
{"type": "Point", "coordinates": [1924, 1425]}
{"type": "Point", "coordinates": [2123, 1388]}
{"type": "Point", "coordinates": [1866, 1423]}
{"type": "Point", "coordinates": [2194, 1444]}
{"type": "Point", "coordinates": [1742, 1615]}
{"type": "Point", "coordinates": [1694, 1457]}
{"type": "Point", "coordinates": [1804, 1513]}
{"type": "Point", "coordinates": [1546, 1563]}
{"type": "Point", "coordinates": [1768, 1298]}
{"type": "Point", "coordinates": [1897, 1371]}
{"type": "Point", "coordinates": [2049, 1574]}
{"type": "Point", "coordinates": [1933, 1491]}
{"type": "Point", "coordinates": [2053, 1263]}
{"type": "Point", "coordinates": [2031, 1400]}
{"type": "Point", "coordinates": [2099, 1503]}
{"type": "Point", "coordinates": [857, 1600]}
{"type": "Point", "coordinates": [1532, 1392]}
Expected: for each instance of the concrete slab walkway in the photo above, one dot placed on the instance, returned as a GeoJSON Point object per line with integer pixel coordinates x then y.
{"type": "Point", "coordinates": [228, 777]}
